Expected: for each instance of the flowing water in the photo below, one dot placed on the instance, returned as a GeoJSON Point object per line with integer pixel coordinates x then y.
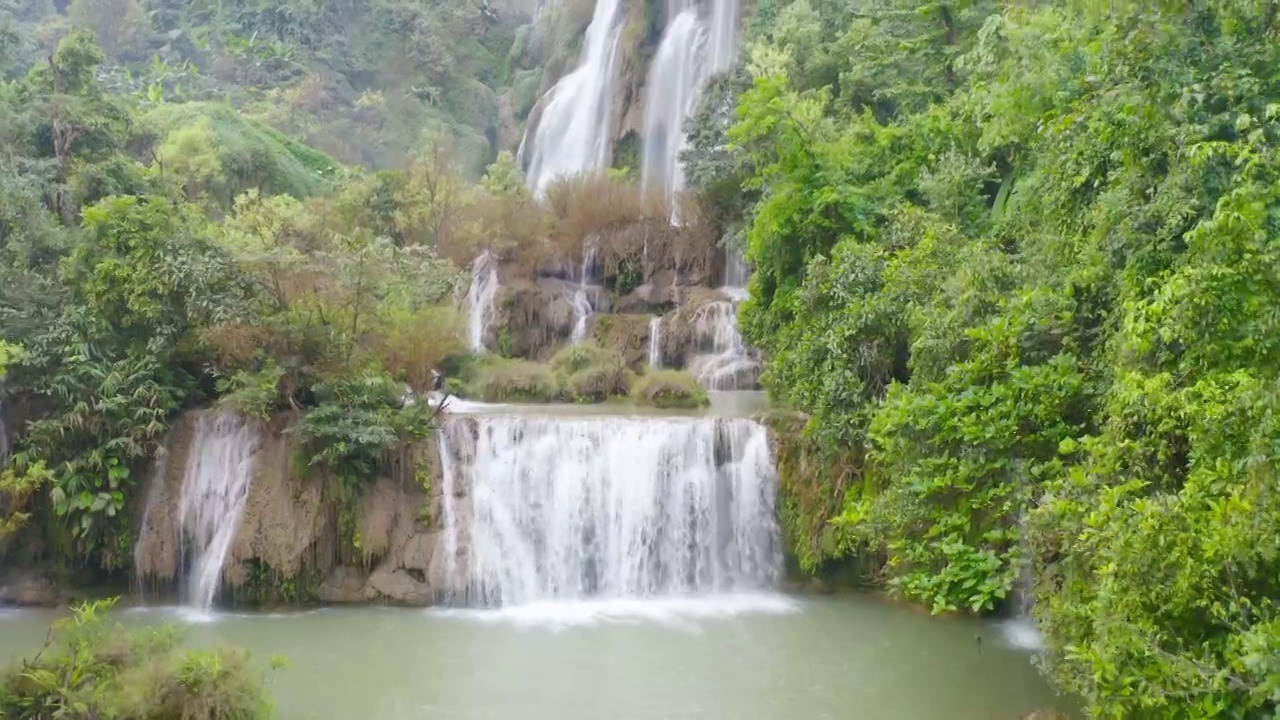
{"type": "Point", "coordinates": [215, 486]}
{"type": "Point", "coordinates": [609, 507]}
{"type": "Point", "coordinates": [655, 342]}
{"type": "Point", "coordinates": [481, 297]}
{"type": "Point", "coordinates": [696, 44]}
{"type": "Point", "coordinates": [572, 135]}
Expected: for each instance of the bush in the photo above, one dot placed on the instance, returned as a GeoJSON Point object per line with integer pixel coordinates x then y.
{"type": "Point", "coordinates": [89, 669]}
{"type": "Point", "coordinates": [669, 389]}
{"type": "Point", "coordinates": [515, 381]}
{"type": "Point", "coordinates": [588, 372]}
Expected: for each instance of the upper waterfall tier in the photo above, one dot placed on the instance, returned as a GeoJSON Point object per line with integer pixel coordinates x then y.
{"type": "Point", "coordinates": [550, 508]}
{"type": "Point", "coordinates": [572, 135]}
{"type": "Point", "coordinates": [695, 46]}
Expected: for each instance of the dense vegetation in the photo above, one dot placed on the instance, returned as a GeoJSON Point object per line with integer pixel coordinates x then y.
{"type": "Point", "coordinates": [365, 82]}
{"type": "Point", "coordinates": [91, 668]}
{"type": "Point", "coordinates": [1019, 260]}
{"type": "Point", "coordinates": [1015, 271]}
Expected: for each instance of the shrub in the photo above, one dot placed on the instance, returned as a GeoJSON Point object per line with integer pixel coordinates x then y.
{"type": "Point", "coordinates": [515, 381]}
{"type": "Point", "coordinates": [356, 422]}
{"type": "Point", "coordinates": [669, 389]}
{"type": "Point", "coordinates": [90, 669]}
{"type": "Point", "coordinates": [590, 373]}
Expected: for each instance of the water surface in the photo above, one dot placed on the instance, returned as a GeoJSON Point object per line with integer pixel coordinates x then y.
{"type": "Point", "coordinates": [739, 657]}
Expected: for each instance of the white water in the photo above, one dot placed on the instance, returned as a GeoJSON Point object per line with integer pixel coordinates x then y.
{"type": "Point", "coordinates": [608, 508]}
{"type": "Point", "coordinates": [215, 486]}
{"type": "Point", "coordinates": [480, 300]}
{"type": "Point", "coordinates": [580, 299]}
{"type": "Point", "coordinates": [694, 47]}
{"type": "Point", "coordinates": [655, 342]}
{"type": "Point", "coordinates": [573, 133]}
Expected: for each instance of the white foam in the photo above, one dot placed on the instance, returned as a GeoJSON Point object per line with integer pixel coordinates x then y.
{"type": "Point", "coordinates": [672, 611]}
{"type": "Point", "coordinates": [1022, 633]}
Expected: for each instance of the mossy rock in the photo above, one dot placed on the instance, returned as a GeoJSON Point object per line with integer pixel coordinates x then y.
{"type": "Point", "coordinates": [627, 335]}
{"type": "Point", "coordinates": [588, 372]}
{"type": "Point", "coordinates": [515, 381]}
{"type": "Point", "coordinates": [669, 389]}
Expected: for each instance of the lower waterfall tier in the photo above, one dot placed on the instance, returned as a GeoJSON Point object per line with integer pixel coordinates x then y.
{"type": "Point", "coordinates": [540, 508]}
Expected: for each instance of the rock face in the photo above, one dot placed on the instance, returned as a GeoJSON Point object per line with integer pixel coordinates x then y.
{"type": "Point", "coordinates": [29, 589]}
{"type": "Point", "coordinates": [298, 529]}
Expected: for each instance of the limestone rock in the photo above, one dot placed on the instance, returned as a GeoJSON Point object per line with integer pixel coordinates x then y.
{"type": "Point", "coordinates": [396, 586]}
{"type": "Point", "coordinates": [345, 585]}
{"type": "Point", "coordinates": [29, 589]}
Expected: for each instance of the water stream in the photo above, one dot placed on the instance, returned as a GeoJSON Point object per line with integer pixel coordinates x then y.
{"type": "Point", "coordinates": [655, 342]}
{"type": "Point", "coordinates": [481, 297]}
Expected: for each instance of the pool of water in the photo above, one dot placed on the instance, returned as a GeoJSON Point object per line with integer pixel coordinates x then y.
{"type": "Point", "coordinates": [736, 657]}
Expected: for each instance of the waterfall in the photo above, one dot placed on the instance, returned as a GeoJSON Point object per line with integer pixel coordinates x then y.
{"type": "Point", "coordinates": [1021, 630]}
{"type": "Point", "coordinates": [724, 362]}
{"type": "Point", "coordinates": [215, 486]}
{"type": "Point", "coordinates": [573, 133]}
{"type": "Point", "coordinates": [608, 507]}
{"type": "Point", "coordinates": [580, 299]}
{"type": "Point", "coordinates": [480, 300]}
{"type": "Point", "coordinates": [693, 48]}
{"type": "Point", "coordinates": [655, 342]}
{"type": "Point", "coordinates": [675, 76]}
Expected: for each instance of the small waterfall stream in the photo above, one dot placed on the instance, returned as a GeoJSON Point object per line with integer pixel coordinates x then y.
{"type": "Point", "coordinates": [609, 507]}
{"type": "Point", "coordinates": [215, 487]}
{"type": "Point", "coordinates": [573, 133]}
{"type": "Point", "coordinates": [581, 299]}
{"type": "Point", "coordinates": [724, 362]}
{"type": "Point", "coordinates": [481, 297]}
{"type": "Point", "coordinates": [655, 342]}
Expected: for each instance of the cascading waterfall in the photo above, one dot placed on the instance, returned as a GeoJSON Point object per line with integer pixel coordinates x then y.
{"type": "Point", "coordinates": [724, 362]}
{"type": "Point", "coordinates": [215, 487]}
{"type": "Point", "coordinates": [573, 133]}
{"type": "Point", "coordinates": [694, 47]}
{"type": "Point", "coordinates": [480, 300]}
{"type": "Point", "coordinates": [581, 299]}
{"type": "Point", "coordinates": [655, 342]}
{"type": "Point", "coordinates": [675, 77]}
{"type": "Point", "coordinates": [607, 507]}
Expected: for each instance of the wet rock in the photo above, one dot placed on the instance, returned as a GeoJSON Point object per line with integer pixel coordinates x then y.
{"type": "Point", "coordinates": [396, 586]}
{"type": "Point", "coordinates": [29, 590]}
{"type": "Point", "coordinates": [345, 585]}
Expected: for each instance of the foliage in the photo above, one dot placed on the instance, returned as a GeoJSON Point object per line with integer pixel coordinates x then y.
{"type": "Point", "coordinates": [357, 422]}
{"type": "Point", "coordinates": [90, 668]}
{"type": "Point", "coordinates": [1017, 260]}
{"type": "Point", "coordinates": [590, 373]}
{"type": "Point", "coordinates": [515, 381]}
{"type": "Point", "coordinates": [669, 389]}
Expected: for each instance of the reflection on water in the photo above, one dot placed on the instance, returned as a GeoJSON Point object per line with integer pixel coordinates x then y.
{"type": "Point", "coordinates": [764, 657]}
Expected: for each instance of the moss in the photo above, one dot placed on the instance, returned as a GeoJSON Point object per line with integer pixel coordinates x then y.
{"type": "Point", "coordinates": [814, 486]}
{"type": "Point", "coordinates": [669, 389]}
{"type": "Point", "coordinates": [515, 381]}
